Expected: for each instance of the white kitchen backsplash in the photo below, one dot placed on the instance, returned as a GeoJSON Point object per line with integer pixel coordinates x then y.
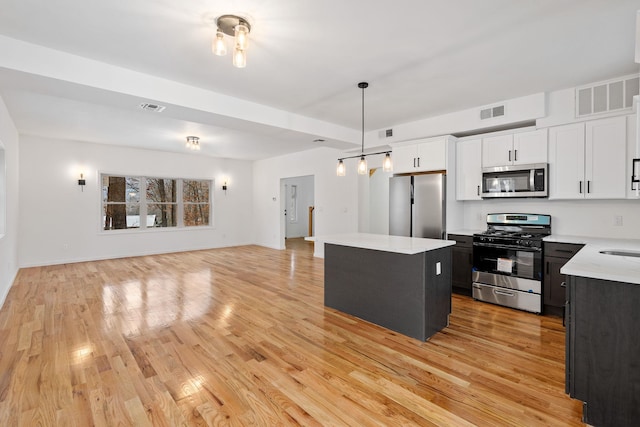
{"type": "Point", "coordinates": [593, 218]}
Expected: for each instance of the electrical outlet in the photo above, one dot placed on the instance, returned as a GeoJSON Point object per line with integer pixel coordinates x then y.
{"type": "Point", "coordinates": [617, 220]}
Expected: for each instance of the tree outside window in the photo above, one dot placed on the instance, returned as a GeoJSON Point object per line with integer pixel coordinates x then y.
{"type": "Point", "coordinates": [196, 202]}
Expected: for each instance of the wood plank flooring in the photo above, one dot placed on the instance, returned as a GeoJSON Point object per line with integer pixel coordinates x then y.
{"type": "Point", "coordinates": [239, 336]}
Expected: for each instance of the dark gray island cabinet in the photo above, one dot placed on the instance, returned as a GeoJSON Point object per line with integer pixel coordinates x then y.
{"type": "Point", "coordinates": [400, 283]}
{"type": "Point", "coordinates": [603, 350]}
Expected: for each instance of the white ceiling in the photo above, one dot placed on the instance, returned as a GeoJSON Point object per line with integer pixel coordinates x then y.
{"type": "Point", "coordinates": [422, 58]}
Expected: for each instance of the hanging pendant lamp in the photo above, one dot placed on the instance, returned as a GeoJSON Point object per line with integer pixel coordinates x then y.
{"type": "Point", "coordinates": [363, 168]}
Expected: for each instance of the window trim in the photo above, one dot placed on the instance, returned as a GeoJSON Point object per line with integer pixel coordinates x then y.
{"type": "Point", "coordinates": [143, 205]}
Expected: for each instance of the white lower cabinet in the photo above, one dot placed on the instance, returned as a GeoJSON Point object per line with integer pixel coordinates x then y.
{"type": "Point", "coordinates": [588, 160]}
{"type": "Point", "coordinates": [468, 169]}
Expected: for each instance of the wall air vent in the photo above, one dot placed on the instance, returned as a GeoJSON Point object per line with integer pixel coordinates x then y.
{"type": "Point", "coordinates": [387, 133]}
{"type": "Point", "coordinates": [489, 113]}
{"type": "Point", "coordinates": [152, 107]}
{"type": "Point", "coordinates": [607, 96]}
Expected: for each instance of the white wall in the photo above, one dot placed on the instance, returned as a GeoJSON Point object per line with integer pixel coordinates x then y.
{"type": "Point", "coordinates": [336, 198]}
{"type": "Point", "coordinates": [593, 218]}
{"type": "Point", "coordinates": [299, 227]}
{"type": "Point", "coordinates": [59, 223]}
{"type": "Point", "coordinates": [10, 196]}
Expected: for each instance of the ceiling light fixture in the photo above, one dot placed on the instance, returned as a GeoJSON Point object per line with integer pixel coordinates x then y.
{"type": "Point", "coordinates": [238, 28]}
{"type": "Point", "coordinates": [362, 164]}
{"type": "Point", "coordinates": [193, 143]}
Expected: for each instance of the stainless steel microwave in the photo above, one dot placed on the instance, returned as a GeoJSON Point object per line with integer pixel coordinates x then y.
{"type": "Point", "coordinates": [515, 181]}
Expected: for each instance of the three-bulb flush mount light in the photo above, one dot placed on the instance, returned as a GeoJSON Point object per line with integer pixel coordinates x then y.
{"type": "Point", "coordinates": [238, 28]}
{"type": "Point", "coordinates": [362, 164]}
{"type": "Point", "coordinates": [193, 143]}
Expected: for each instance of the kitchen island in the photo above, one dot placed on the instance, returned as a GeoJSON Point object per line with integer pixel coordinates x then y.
{"type": "Point", "coordinates": [400, 283]}
{"type": "Point", "coordinates": [602, 347]}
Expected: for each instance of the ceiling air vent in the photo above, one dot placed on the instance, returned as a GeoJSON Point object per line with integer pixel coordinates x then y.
{"type": "Point", "coordinates": [387, 133]}
{"type": "Point", "coordinates": [607, 96]}
{"type": "Point", "coordinates": [489, 113]}
{"type": "Point", "coordinates": [152, 107]}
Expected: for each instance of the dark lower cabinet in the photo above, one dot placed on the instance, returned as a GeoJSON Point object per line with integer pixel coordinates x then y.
{"type": "Point", "coordinates": [603, 350]}
{"type": "Point", "coordinates": [462, 263]}
{"type": "Point", "coordinates": [556, 256]}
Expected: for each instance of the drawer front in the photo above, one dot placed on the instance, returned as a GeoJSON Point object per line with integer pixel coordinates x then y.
{"type": "Point", "coordinates": [561, 250]}
{"type": "Point", "coordinates": [461, 240]}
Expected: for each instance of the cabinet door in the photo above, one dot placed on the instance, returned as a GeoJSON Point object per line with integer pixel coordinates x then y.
{"type": "Point", "coordinates": [432, 155]}
{"type": "Point", "coordinates": [530, 147]}
{"type": "Point", "coordinates": [566, 162]}
{"type": "Point", "coordinates": [554, 291]}
{"type": "Point", "coordinates": [404, 159]}
{"type": "Point", "coordinates": [461, 271]}
{"type": "Point", "coordinates": [497, 151]}
{"type": "Point", "coordinates": [468, 169]}
{"type": "Point", "coordinates": [605, 158]}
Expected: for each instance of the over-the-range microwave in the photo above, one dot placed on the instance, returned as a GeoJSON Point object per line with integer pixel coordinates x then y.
{"type": "Point", "coordinates": [515, 181]}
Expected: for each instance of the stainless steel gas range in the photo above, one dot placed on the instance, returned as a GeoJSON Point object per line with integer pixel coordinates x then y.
{"type": "Point", "coordinates": [507, 260]}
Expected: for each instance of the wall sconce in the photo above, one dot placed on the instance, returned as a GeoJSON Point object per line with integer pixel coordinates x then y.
{"type": "Point", "coordinates": [224, 187]}
{"type": "Point", "coordinates": [82, 182]}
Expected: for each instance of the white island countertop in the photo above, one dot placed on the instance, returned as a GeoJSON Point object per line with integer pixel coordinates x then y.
{"type": "Point", "coordinates": [382, 242]}
{"type": "Point", "coordinates": [589, 262]}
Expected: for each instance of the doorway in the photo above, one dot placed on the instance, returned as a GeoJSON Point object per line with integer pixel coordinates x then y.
{"type": "Point", "coordinates": [298, 210]}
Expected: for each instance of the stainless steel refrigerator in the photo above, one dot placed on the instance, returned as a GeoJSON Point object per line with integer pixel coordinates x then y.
{"type": "Point", "coordinates": [417, 205]}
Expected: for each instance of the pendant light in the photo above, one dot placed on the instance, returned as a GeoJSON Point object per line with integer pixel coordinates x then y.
{"type": "Point", "coordinates": [387, 166]}
{"type": "Point", "coordinates": [363, 168]}
{"type": "Point", "coordinates": [362, 164]}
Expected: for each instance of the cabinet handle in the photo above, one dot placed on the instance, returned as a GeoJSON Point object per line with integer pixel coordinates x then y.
{"type": "Point", "coordinates": [547, 269]}
{"type": "Point", "coordinates": [588, 186]}
{"type": "Point", "coordinates": [478, 190]}
{"type": "Point", "coordinates": [509, 155]}
{"type": "Point", "coordinates": [414, 164]}
{"type": "Point", "coordinates": [418, 161]}
{"type": "Point", "coordinates": [563, 284]}
{"type": "Point", "coordinates": [580, 187]}
{"type": "Point", "coordinates": [566, 251]}
{"type": "Point", "coordinates": [515, 155]}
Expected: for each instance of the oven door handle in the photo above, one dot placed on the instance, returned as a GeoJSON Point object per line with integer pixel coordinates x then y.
{"type": "Point", "coordinates": [497, 246]}
{"type": "Point", "coordinates": [505, 293]}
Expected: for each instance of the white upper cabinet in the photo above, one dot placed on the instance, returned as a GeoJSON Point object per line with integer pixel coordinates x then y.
{"type": "Point", "coordinates": [605, 158]}
{"type": "Point", "coordinates": [588, 160]}
{"type": "Point", "coordinates": [420, 156]}
{"type": "Point", "coordinates": [468, 169]}
{"type": "Point", "coordinates": [515, 149]}
{"type": "Point", "coordinates": [530, 147]}
{"type": "Point", "coordinates": [497, 150]}
{"type": "Point", "coordinates": [566, 162]}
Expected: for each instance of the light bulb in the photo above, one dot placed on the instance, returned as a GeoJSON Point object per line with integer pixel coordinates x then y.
{"type": "Point", "coordinates": [219, 47]}
{"type": "Point", "coordinates": [387, 166]}
{"type": "Point", "coordinates": [239, 58]}
{"type": "Point", "coordinates": [241, 33]}
{"type": "Point", "coordinates": [362, 166]}
{"type": "Point", "coordinates": [341, 171]}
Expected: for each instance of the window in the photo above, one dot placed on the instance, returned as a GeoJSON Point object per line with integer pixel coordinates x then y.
{"type": "Point", "coordinates": [164, 203]}
{"type": "Point", "coordinates": [195, 197]}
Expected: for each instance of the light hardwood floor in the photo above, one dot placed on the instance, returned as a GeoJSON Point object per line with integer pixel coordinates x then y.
{"type": "Point", "coordinates": [240, 336]}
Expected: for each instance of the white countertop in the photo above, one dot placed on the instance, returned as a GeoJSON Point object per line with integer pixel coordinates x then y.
{"type": "Point", "coordinates": [382, 242]}
{"type": "Point", "coordinates": [589, 262]}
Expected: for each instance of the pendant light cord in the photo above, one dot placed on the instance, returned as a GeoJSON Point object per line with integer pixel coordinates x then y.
{"type": "Point", "coordinates": [363, 86]}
